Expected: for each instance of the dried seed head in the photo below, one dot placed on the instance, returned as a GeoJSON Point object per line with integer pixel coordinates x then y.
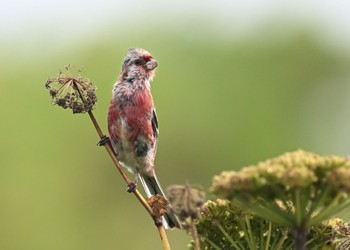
{"type": "Point", "coordinates": [186, 200]}
{"type": "Point", "coordinates": [158, 204]}
{"type": "Point", "coordinates": [72, 91]}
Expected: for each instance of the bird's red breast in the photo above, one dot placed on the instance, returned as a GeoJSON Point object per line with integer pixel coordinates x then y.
{"type": "Point", "coordinates": [136, 112]}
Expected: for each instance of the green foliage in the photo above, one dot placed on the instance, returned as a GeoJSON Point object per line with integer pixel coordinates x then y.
{"type": "Point", "coordinates": [225, 225]}
{"type": "Point", "coordinates": [317, 187]}
{"type": "Point", "coordinates": [282, 203]}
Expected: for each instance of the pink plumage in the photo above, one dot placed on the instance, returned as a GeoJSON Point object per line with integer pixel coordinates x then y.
{"type": "Point", "coordinates": [133, 124]}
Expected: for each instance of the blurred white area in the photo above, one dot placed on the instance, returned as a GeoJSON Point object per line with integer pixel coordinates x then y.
{"type": "Point", "coordinates": [56, 21]}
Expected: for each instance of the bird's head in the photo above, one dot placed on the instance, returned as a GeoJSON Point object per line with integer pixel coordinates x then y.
{"type": "Point", "coordinates": [141, 61]}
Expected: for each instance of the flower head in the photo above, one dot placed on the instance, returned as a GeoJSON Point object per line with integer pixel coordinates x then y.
{"type": "Point", "coordinates": [340, 178]}
{"type": "Point", "coordinates": [316, 186]}
{"type": "Point", "coordinates": [229, 182]}
{"type": "Point", "coordinates": [72, 91]}
{"type": "Point", "coordinates": [292, 170]}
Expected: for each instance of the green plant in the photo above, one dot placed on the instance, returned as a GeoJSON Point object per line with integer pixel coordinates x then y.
{"type": "Point", "coordinates": [285, 202]}
{"type": "Point", "coordinates": [226, 225]}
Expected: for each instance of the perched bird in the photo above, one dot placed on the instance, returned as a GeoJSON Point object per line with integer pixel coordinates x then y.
{"type": "Point", "coordinates": [133, 124]}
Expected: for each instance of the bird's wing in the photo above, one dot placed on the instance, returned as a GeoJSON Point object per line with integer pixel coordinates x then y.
{"type": "Point", "coordinates": [155, 124]}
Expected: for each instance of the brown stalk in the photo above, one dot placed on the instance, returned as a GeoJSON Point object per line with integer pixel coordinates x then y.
{"type": "Point", "coordinates": [193, 228]}
{"type": "Point", "coordinates": [160, 227]}
{"type": "Point", "coordinates": [194, 233]}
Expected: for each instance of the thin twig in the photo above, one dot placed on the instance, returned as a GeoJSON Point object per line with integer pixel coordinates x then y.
{"type": "Point", "coordinates": [194, 233]}
{"type": "Point", "coordinates": [163, 237]}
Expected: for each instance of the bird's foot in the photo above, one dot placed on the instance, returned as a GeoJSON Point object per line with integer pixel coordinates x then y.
{"type": "Point", "coordinates": [104, 140]}
{"type": "Point", "coordinates": [132, 185]}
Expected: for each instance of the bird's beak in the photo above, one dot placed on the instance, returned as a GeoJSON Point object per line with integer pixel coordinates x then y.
{"type": "Point", "coordinates": [151, 64]}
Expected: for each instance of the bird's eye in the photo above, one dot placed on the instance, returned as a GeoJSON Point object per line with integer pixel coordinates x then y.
{"type": "Point", "coordinates": [137, 62]}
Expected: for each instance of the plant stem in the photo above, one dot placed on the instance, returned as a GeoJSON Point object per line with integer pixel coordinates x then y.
{"type": "Point", "coordinates": [251, 239]}
{"type": "Point", "coordinates": [108, 147]}
{"type": "Point", "coordinates": [121, 171]}
{"type": "Point", "coordinates": [300, 238]}
{"type": "Point", "coordinates": [282, 240]}
{"type": "Point", "coordinates": [268, 236]}
{"type": "Point", "coordinates": [194, 233]}
{"type": "Point", "coordinates": [298, 208]}
{"type": "Point", "coordinates": [163, 237]}
{"type": "Point", "coordinates": [317, 201]}
{"type": "Point", "coordinates": [227, 236]}
{"type": "Point", "coordinates": [212, 244]}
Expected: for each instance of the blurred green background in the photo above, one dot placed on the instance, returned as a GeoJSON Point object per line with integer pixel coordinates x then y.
{"type": "Point", "coordinates": [237, 83]}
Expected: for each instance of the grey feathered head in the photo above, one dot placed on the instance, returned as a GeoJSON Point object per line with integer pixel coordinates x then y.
{"type": "Point", "coordinates": [140, 59]}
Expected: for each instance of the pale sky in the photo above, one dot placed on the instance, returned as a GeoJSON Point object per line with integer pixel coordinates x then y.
{"type": "Point", "coordinates": [33, 19]}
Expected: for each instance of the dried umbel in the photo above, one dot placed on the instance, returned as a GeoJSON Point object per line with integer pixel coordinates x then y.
{"type": "Point", "coordinates": [72, 91]}
{"type": "Point", "coordinates": [186, 200]}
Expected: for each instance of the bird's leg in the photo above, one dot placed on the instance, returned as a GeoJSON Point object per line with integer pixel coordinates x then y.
{"type": "Point", "coordinates": [132, 185]}
{"type": "Point", "coordinates": [104, 140]}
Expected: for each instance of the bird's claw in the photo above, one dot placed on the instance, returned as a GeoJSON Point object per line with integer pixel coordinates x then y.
{"type": "Point", "coordinates": [132, 186]}
{"type": "Point", "coordinates": [104, 140]}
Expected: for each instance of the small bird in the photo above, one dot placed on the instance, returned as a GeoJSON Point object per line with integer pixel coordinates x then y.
{"type": "Point", "coordinates": [133, 124]}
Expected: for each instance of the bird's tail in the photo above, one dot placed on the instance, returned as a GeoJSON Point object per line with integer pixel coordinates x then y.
{"type": "Point", "coordinates": [152, 187]}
